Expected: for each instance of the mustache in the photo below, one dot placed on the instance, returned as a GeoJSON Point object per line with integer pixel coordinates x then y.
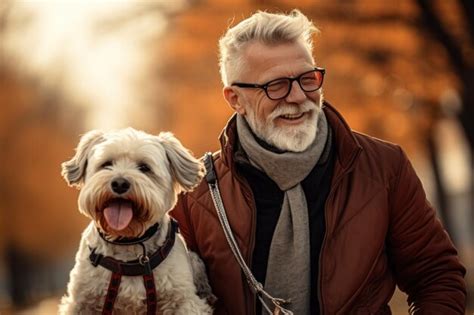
{"type": "Point", "coordinates": [293, 110]}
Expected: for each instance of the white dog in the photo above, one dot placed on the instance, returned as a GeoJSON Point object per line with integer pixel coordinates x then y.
{"type": "Point", "coordinates": [131, 260]}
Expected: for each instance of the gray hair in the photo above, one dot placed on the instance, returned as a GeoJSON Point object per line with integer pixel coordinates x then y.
{"type": "Point", "coordinates": [267, 28]}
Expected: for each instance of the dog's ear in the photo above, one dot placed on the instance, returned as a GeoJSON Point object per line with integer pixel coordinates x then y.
{"type": "Point", "coordinates": [74, 170]}
{"type": "Point", "coordinates": [185, 168]}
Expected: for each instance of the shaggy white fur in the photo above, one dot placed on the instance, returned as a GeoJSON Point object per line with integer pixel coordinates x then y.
{"type": "Point", "coordinates": [128, 181]}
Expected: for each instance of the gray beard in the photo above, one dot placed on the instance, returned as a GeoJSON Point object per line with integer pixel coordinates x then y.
{"type": "Point", "coordinates": [287, 138]}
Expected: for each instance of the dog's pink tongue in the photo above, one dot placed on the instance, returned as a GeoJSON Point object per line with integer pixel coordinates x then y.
{"type": "Point", "coordinates": [119, 214]}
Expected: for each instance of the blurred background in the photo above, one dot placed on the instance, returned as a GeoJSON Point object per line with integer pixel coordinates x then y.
{"type": "Point", "coordinates": [399, 70]}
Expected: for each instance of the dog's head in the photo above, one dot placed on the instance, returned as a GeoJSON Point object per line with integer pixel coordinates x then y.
{"type": "Point", "coordinates": [129, 179]}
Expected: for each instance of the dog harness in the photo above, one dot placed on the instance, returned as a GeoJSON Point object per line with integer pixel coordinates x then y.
{"type": "Point", "coordinates": [142, 266]}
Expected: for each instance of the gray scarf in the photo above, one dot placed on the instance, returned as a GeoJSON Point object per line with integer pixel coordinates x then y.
{"type": "Point", "coordinates": [288, 272]}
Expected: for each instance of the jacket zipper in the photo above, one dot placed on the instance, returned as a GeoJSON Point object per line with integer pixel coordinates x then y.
{"type": "Point", "coordinates": [252, 244]}
{"type": "Point", "coordinates": [330, 196]}
{"type": "Point", "coordinates": [252, 239]}
{"type": "Point", "coordinates": [320, 267]}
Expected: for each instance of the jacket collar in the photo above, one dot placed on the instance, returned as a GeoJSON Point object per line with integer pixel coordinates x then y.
{"type": "Point", "coordinates": [347, 145]}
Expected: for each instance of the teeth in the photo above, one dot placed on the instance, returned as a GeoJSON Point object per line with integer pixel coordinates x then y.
{"type": "Point", "coordinates": [292, 116]}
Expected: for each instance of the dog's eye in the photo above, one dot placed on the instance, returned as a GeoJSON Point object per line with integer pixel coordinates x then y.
{"type": "Point", "coordinates": [106, 165]}
{"type": "Point", "coordinates": [144, 168]}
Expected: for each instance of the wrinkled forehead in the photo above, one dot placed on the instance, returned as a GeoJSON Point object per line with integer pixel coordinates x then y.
{"type": "Point", "coordinates": [264, 62]}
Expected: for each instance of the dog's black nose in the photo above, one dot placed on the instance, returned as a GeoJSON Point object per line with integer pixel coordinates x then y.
{"type": "Point", "coordinates": [120, 185]}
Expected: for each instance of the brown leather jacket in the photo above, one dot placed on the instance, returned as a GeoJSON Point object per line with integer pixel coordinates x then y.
{"type": "Point", "coordinates": [380, 231]}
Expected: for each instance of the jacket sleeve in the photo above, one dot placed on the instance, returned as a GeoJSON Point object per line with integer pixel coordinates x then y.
{"type": "Point", "coordinates": [424, 259]}
{"type": "Point", "coordinates": [181, 214]}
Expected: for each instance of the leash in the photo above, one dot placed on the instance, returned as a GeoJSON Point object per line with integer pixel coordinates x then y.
{"type": "Point", "coordinates": [142, 266]}
{"type": "Point", "coordinates": [257, 287]}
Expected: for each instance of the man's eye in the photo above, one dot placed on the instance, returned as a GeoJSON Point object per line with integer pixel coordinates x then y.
{"type": "Point", "coordinates": [144, 168]}
{"type": "Point", "coordinates": [106, 165]}
{"type": "Point", "coordinates": [308, 80]}
{"type": "Point", "coordinates": [277, 85]}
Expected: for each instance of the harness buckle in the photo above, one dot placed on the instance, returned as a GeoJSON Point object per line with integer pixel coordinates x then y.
{"type": "Point", "coordinates": [96, 258]}
{"type": "Point", "coordinates": [144, 260]}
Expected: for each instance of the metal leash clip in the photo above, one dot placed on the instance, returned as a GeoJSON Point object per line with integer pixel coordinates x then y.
{"type": "Point", "coordinates": [144, 260]}
{"type": "Point", "coordinates": [279, 309]}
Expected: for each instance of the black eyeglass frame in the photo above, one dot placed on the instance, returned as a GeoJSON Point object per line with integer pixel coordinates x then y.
{"type": "Point", "coordinates": [297, 79]}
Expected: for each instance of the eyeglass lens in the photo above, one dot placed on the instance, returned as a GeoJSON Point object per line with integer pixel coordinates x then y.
{"type": "Point", "coordinates": [309, 82]}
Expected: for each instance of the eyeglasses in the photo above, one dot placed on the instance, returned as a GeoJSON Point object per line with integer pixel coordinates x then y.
{"type": "Point", "coordinates": [280, 88]}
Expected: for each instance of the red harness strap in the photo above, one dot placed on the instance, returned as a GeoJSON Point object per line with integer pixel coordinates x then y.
{"type": "Point", "coordinates": [151, 297]}
{"type": "Point", "coordinates": [112, 292]}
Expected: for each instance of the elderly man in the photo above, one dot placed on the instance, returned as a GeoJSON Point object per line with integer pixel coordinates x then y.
{"type": "Point", "coordinates": [328, 220]}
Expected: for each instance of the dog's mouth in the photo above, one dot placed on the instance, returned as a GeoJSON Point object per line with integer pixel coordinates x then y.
{"type": "Point", "coordinates": [118, 213]}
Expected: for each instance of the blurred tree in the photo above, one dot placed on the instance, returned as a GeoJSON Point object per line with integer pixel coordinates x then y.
{"type": "Point", "coordinates": [458, 43]}
{"type": "Point", "coordinates": [459, 52]}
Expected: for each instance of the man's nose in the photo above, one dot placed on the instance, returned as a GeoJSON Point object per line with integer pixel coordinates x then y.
{"type": "Point", "coordinates": [297, 95]}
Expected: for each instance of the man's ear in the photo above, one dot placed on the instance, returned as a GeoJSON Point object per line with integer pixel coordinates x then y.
{"type": "Point", "coordinates": [234, 99]}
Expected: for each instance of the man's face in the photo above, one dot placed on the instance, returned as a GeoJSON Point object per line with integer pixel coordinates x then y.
{"type": "Point", "coordinates": [290, 123]}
